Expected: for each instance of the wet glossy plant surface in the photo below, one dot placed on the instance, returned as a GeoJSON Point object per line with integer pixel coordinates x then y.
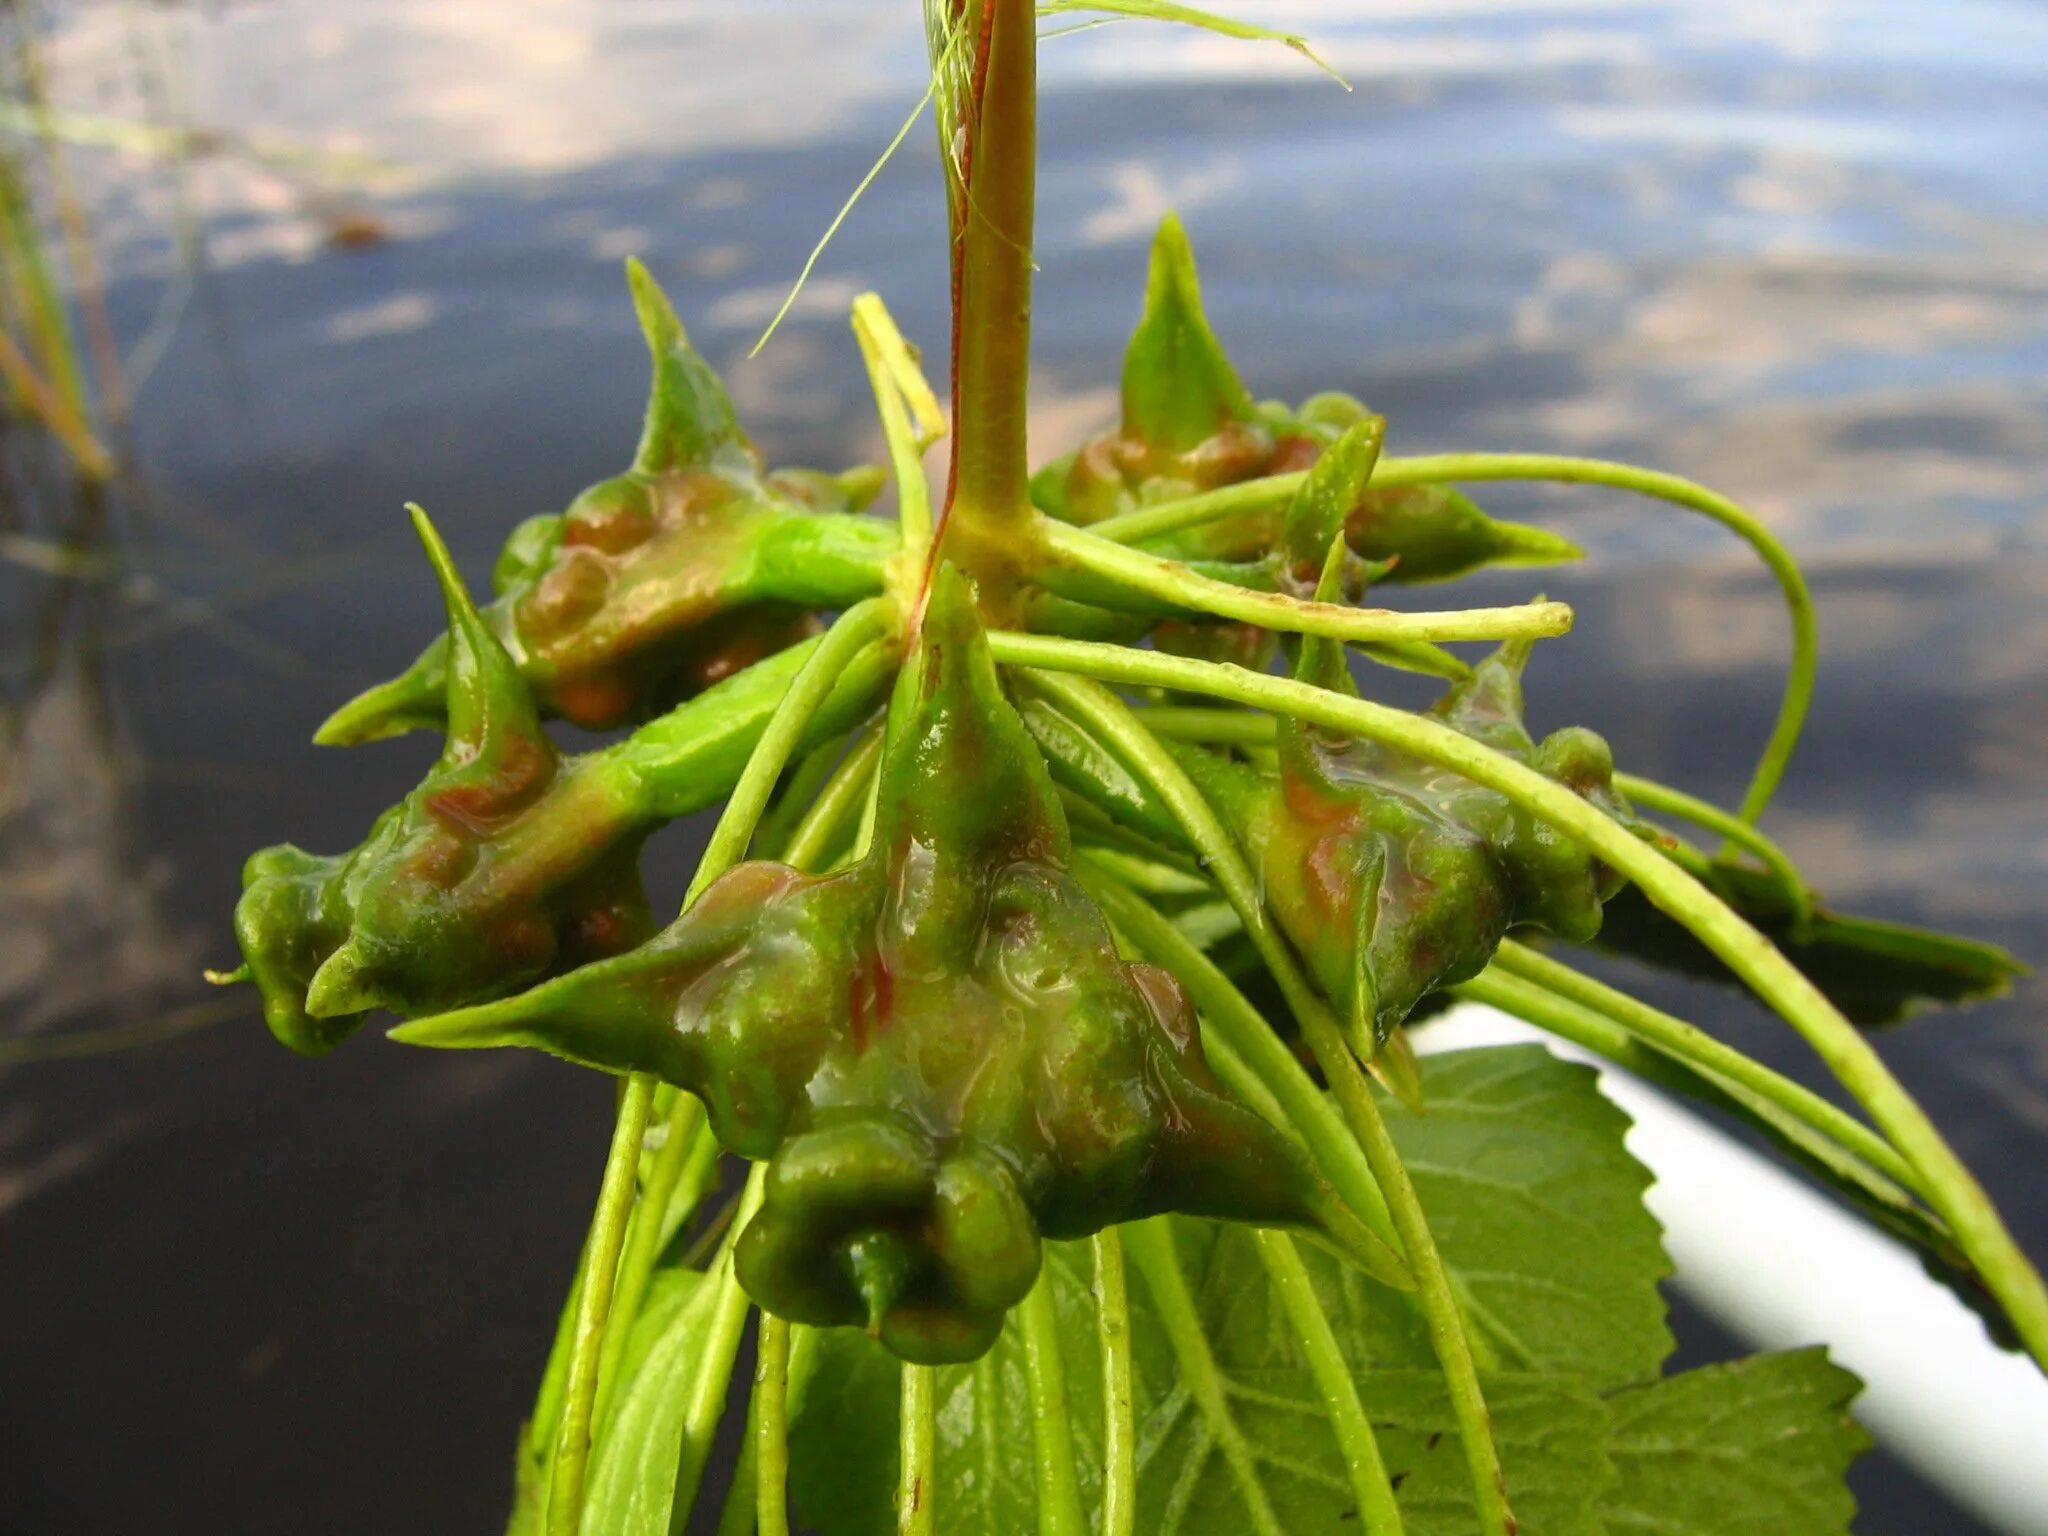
{"type": "Point", "coordinates": [1771, 249]}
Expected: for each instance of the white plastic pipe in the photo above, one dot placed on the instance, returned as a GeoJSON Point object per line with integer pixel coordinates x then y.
{"type": "Point", "coordinates": [1782, 1266]}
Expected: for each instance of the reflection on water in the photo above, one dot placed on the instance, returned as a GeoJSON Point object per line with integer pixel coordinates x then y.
{"type": "Point", "coordinates": [1779, 247]}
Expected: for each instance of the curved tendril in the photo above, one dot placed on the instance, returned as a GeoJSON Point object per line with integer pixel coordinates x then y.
{"type": "Point", "coordinates": [916, 1506]}
{"type": "Point", "coordinates": [593, 1309]}
{"type": "Point", "coordinates": [1121, 729]}
{"type": "Point", "coordinates": [1799, 674]}
{"type": "Point", "coordinates": [1950, 1187]}
{"type": "Point", "coordinates": [1273, 491]}
{"type": "Point", "coordinates": [1119, 1429]}
{"type": "Point", "coordinates": [839, 218]}
{"type": "Point", "coordinates": [1173, 582]}
{"type": "Point", "coordinates": [771, 1428]}
{"type": "Point", "coordinates": [1736, 833]}
{"type": "Point", "coordinates": [1355, 1439]}
{"type": "Point", "coordinates": [1059, 1489]}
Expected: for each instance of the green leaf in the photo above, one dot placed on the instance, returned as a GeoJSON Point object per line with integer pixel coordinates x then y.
{"type": "Point", "coordinates": [1538, 1208]}
{"type": "Point", "coordinates": [633, 1464]}
{"type": "Point", "coordinates": [1759, 1446]}
{"type": "Point", "coordinates": [1550, 1431]}
{"type": "Point", "coordinates": [843, 1450]}
{"type": "Point", "coordinates": [1877, 973]}
{"type": "Point", "coordinates": [842, 1441]}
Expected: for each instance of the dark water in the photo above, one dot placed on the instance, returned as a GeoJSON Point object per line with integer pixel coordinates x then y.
{"type": "Point", "coordinates": [1793, 249]}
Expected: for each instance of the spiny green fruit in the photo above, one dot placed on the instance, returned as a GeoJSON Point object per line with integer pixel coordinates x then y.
{"type": "Point", "coordinates": [937, 1049]}
{"type": "Point", "coordinates": [504, 864]}
{"type": "Point", "coordinates": [1179, 388]}
{"type": "Point", "coordinates": [1189, 425]}
{"type": "Point", "coordinates": [660, 581]}
{"type": "Point", "coordinates": [1395, 877]}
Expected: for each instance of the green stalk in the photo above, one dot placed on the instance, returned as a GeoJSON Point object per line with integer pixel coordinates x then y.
{"type": "Point", "coordinates": [1735, 832]}
{"type": "Point", "coordinates": [841, 798]}
{"type": "Point", "coordinates": [1892, 1203]}
{"type": "Point", "coordinates": [916, 1504]}
{"type": "Point", "coordinates": [992, 192]}
{"type": "Point", "coordinates": [1274, 491]}
{"type": "Point", "coordinates": [1691, 1044]}
{"type": "Point", "coordinates": [1355, 1439]}
{"type": "Point", "coordinates": [1227, 727]}
{"type": "Point", "coordinates": [706, 1406]}
{"type": "Point", "coordinates": [1114, 722]}
{"type": "Point", "coordinates": [1150, 1244]}
{"type": "Point", "coordinates": [1950, 1187]}
{"type": "Point", "coordinates": [1059, 1488]}
{"type": "Point", "coordinates": [1119, 1427]}
{"type": "Point", "coordinates": [911, 418]}
{"type": "Point", "coordinates": [1173, 582]}
{"type": "Point", "coordinates": [739, 1516]}
{"type": "Point", "coordinates": [864, 622]}
{"type": "Point", "coordinates": [771, 1428]}
{"type": "Point", "coordinates": [1268, 493]}
{"type": "Point", "coordinates": [643, 1240]}
{"type": "Point", "coordinates": [1306, 1112]}
{"type": "Point", "coordinates": [593, 1311]}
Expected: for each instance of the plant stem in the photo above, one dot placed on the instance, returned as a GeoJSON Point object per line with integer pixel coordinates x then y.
{"type": "Point", "coordinates": [1230, 727]}
{"type": "Point", "coordinates": [1736, 833]}
{"type": "Point", "coordinates": [1059, 1489]}
{"type": "Point", "coordinates": [1950, 1187]}
{"type": "Point", "coordinates": [1119, 1428]}
{"type": "Point", "coordinates": [1226, 1010]}
{"type": "Point", "coordinates": [1121, 729]}
{"type": "Point", "coordinates": [1355, 1439]}
{"type": "Point", "coordinates": [93, 460]}
{"type": "Point", "coordinates": [1150, 1244]}
{"type": "Point", "coordinates": [1689, 1043]}
{"type": "Point", "coordinates": [1268, 493]}
{"type": "Point", "coordinates": [991, 194]}
{"type": "Point", "coordinates": [643, 1240]}
{"type": "Point", "coordinates": [841, 798]}
{"type": "Point", "coordinates": [1173, 582]}
{"type": "Point", "coordinates": [706, 1406]}
{"type": "Point", "coordinates": [916, 1504]}
{"type": "Point", "coordinates": [911, 418]}
{"type": "Point", "coordinates": [738, 1517]}
{"type": "Point", "coordinates": [855, 629]}
{"type": "Point", "coordinates": [1890, 1201]}
{"type": "Point", "coordinates": [865, 621]}
{"type": "Point", "coordinates": [771, 1429]}
{"type": "Point", "coordinates": [607, 1236]}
